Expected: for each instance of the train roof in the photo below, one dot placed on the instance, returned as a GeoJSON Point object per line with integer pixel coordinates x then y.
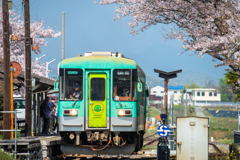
{"type": "Point", "coordinates": [98, 62]}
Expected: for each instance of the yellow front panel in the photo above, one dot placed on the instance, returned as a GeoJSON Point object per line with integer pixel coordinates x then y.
{"type": "Point", "coordinates": [97, 100]}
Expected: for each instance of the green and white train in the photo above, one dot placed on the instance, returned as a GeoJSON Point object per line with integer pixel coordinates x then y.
{"type": "Point", "coordinates": [109, 115]}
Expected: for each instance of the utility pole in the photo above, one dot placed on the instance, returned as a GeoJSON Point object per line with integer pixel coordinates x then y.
{"type": "Point", "coordinates": [63, 35]}
{"type": "Point", "coordinates": [6, 50]}
{"type": "Point", "coordinates": [186, 102]}
{"type": "Point", "coordinates": [28, 79]}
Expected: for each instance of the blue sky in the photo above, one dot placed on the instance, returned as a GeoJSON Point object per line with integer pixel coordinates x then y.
{"type": "Point", "coordinates": [90, 27]}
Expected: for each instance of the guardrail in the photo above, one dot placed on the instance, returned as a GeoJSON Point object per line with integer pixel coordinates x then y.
{"type": "Point", "coordinates": [15, 130]}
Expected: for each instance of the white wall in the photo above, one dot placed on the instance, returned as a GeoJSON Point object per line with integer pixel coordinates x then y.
{"type": "Point", "coordinates": [159, 91]}
{"type": "Point", "coordinates": [199, 99]}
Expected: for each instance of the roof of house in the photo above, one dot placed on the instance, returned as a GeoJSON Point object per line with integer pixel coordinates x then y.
{"type": "Point", "coordinates": [173, 87]}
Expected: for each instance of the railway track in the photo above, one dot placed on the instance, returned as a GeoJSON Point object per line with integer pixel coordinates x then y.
{"type": "Point", "coordinates": [150, 140]}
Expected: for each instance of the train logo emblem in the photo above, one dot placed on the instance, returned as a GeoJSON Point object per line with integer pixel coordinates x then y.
{"type": "Point", "coordinates": [163, 131]}
{"type": "Point", "coordinates": [97, 108]}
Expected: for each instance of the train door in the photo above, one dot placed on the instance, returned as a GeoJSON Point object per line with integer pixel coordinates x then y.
{"type": "Point", "coordinates": [97, 100]}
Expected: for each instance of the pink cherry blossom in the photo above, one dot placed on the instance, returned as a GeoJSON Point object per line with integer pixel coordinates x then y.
{"type": "Point", "coordinates": [204, 26]}
{"type": "Point", "coordinates": [38, 35]}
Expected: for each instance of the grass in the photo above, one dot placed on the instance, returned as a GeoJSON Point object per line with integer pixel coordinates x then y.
{"type": "Point", "coordinates": [178, 111]}
{"type": "Point", "coordinates": [18, 135]}
{"type": "Point", "coordinates": [153, 112]}
{"type": "Point", "coordinates": [225, 141]}
{"type": "Point", "coordinates": [221, 127]}
{"type": "Point", "coordinates": [150, 147]}
{"type": "Point", "coordinates": [5, 156]}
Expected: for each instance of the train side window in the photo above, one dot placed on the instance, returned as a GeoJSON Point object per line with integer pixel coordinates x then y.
{"type": "Point", "coordinates": [123, 85]}
{"type": "Point", "coordinates": [71, 84]}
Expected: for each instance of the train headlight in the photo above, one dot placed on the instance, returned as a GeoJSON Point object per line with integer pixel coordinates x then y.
{"type": "Point", "coordinates": [70, 112]}
{"type": "Point", "coordinates": [73, 112]}
{"type": "Point", "coordinates": [125, 112]}
{"type": "Point", "coordinates": [121, 112]}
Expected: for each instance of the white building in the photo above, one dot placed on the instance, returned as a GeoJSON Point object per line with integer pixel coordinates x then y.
{"type": "Point", "coordinates": [173, 91]}
{"type": "Point", "coordinates": [204, 96]}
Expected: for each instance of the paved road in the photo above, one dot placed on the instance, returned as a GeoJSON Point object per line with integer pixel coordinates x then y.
{"type": "Point", "coordinates": [199, 111]}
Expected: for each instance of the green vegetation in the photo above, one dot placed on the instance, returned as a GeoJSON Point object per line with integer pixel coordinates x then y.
{"type": "Point", "coordinates": [150, 147]}
{"type": "Point", "coordinates": [178, 111]}
{"type": "Point", "coordinates": [225, 97]}
{"type": "Point", "coordinates": [18, 134]}
{"type": "Point", "coordinates": [5, 156]}
{"type": "Point", "coordinates": [231, 79]}
{"type": "Point", "coordinates": [227, 141]}
{"type": "Point", "coordinates": [153, 112]}
{"type": "Point", "coordinates": [150, 131]}
{"type": "Point", "coordinates": [192, 85]}
{"type": "Point", "coordinates": [221, 127]}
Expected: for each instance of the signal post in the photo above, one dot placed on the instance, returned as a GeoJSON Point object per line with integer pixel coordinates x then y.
{"type": "Point", "coordinates": [167, 76]}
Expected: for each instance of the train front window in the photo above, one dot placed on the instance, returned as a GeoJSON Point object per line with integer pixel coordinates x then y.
{"type": "Point", "coordinates": [71, 84]}
{"type": "Point", "coordinates": [123, 86]}
{"type": "Point", "coordinates": [97, 89]}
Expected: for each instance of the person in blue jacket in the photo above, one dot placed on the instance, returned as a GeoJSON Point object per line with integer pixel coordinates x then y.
{"type": "Point", "coordinates": [47, 116]}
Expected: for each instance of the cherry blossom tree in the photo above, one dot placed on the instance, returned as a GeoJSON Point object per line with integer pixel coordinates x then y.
{"type": "Point", "coordinates": [38, 35]}
{"type": "Point", "coordinates": [204, 26]}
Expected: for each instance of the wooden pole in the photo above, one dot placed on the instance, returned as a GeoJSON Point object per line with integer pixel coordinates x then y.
{"type": "Point", "coordinates": [6, 50]}
{"type": "Point", "coordinates": [166, 92]}
{"type": "Point", "coordinates": [28, 80]}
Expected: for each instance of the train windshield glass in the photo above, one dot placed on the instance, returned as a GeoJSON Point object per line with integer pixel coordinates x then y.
{"type": "Point", "coordinates": [123, 85]}
{"type": "Point", "coordinates": [97, 89]}
{"type": "Point", "coordinates": [71, 87]}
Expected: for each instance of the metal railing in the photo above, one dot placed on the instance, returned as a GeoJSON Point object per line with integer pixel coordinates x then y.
{"type": "Point", "coordinates": [15, 130]}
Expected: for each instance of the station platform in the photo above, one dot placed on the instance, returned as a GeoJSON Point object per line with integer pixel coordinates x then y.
{"type": "Point", "coordinates": [36, 147]}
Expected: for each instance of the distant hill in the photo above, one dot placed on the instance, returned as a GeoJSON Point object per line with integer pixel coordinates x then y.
{"type": "Point", "coordinates": [186, 77]}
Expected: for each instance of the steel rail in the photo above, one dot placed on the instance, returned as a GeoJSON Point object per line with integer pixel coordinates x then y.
{"type": "Point", "coordinates": [150, 135]}
{"type": "Point", "coordinates": [215, 147]}
{"type": "Point", "coordinates": [153, 140]}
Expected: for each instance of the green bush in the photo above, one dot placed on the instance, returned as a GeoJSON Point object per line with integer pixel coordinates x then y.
{"type": "Point", "coordinates": [221, 129]}
{"type": "Point", "coordinates": [5, 156]}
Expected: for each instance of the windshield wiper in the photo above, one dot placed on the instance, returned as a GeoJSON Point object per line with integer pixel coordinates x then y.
{"type": "Point", "coordinates": [74, 102]}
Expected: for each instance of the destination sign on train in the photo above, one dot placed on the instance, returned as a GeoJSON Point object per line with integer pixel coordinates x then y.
{"type": "Point", "coordinates": [72, 72]}
{"type": "Point", "coordinates": [123, 73]}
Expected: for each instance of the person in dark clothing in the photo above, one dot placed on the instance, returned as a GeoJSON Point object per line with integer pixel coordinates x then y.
{"type": "Point", "coordinates": [54, 118]}
{"type": "Point", "coordinates": [47, 116]}
{"type": "Point", "coordinates": [76, 93]}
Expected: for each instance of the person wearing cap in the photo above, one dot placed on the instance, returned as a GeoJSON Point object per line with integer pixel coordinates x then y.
{"type": "Point", "coordinates": [76, 93]}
